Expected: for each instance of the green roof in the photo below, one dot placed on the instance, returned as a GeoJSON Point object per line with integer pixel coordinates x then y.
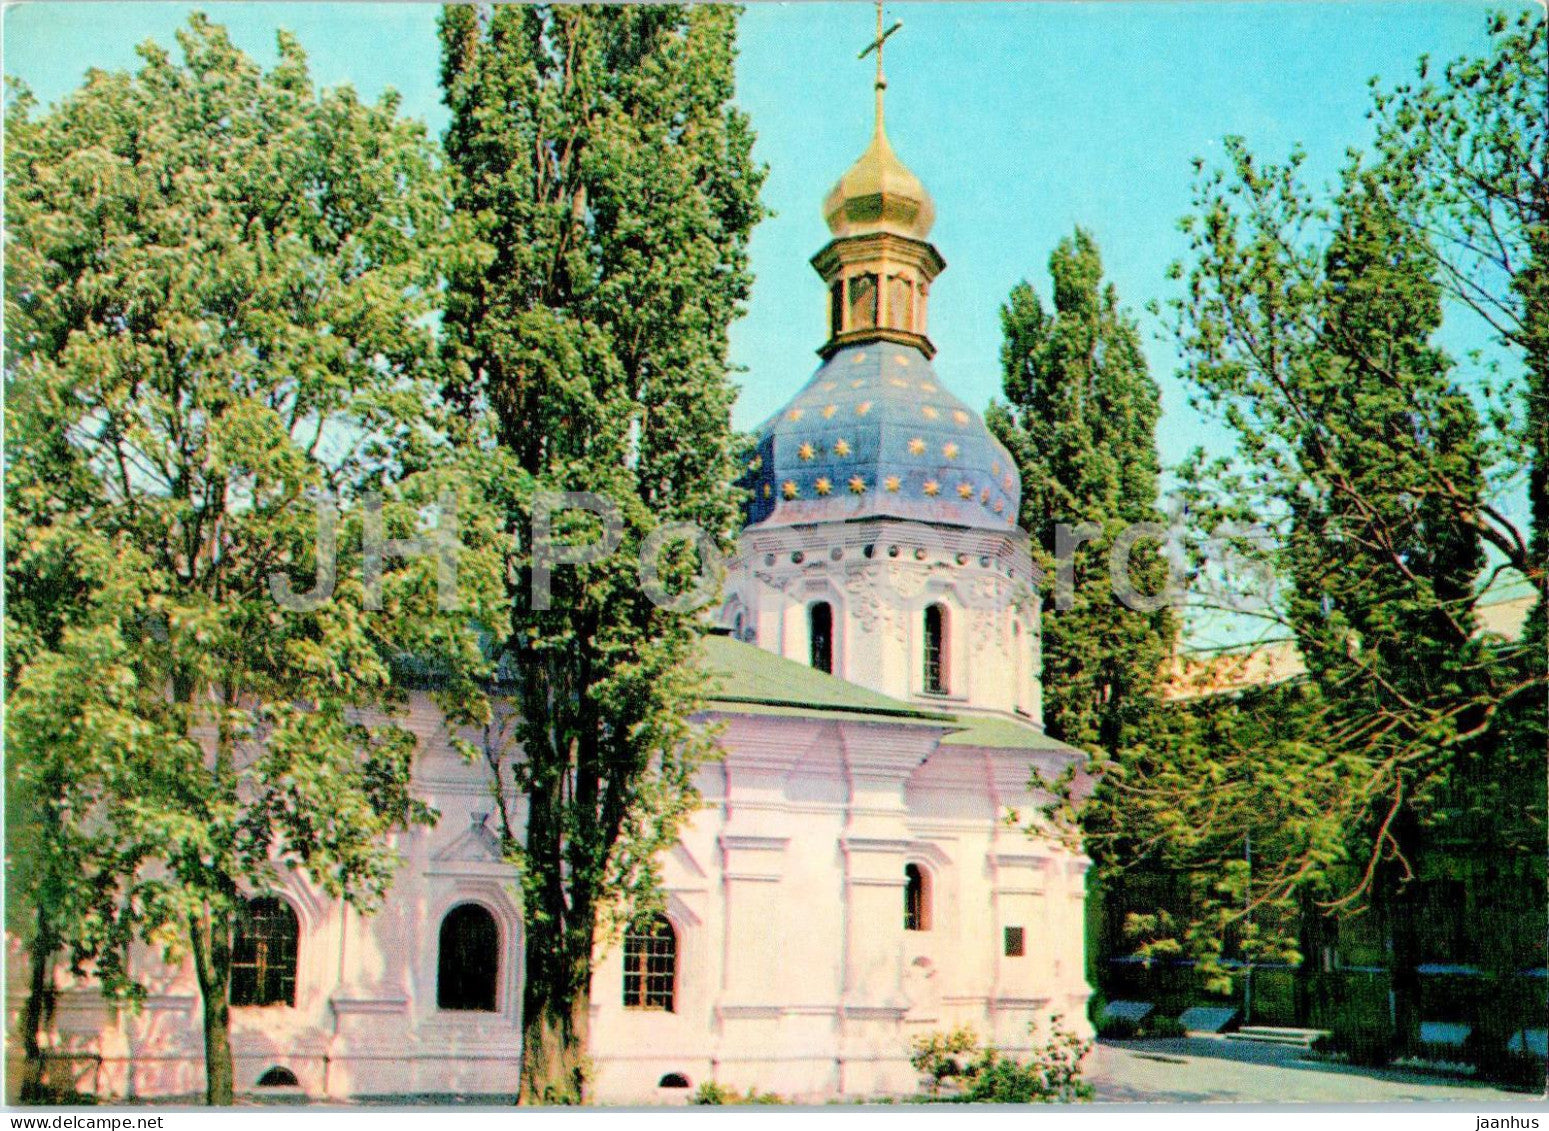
{"type": "Point", "coordinates": [750, 680]}
{"type": "Point", "coordinates": [744, 676]}
{"type": "Point", "coordinates": [1002, 734]}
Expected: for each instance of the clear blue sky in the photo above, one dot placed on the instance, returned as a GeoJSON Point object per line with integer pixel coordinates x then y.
{"type": "Point", "coordinates": [1023, 120]}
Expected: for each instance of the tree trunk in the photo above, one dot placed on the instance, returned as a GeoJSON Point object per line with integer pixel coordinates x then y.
{"type": "Point", "coordinates": [1404, 973]}
{"type": "Point", "coordinates": [38, 1014]}
{"type": "Point", "coordinates": [211, 940]}
{"type": "Point", "coordinates": [555, 1020]}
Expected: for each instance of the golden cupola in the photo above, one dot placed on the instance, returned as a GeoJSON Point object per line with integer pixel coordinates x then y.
{"type": "Point", "coordinates": [879, 194]}
{"type": "Point", "coordinates": [879, 266]}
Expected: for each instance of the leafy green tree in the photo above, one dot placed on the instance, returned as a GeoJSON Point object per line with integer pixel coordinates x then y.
{"type": "Point", "coordinates": [218, 294]}
{"type": "Point", "coordinates": [1307, 329]}
{"type": "Point", "coordinates": [611, 190]}
{"type": "Point", "coordinates": [1081, 423]}
{"type": "Point", "coordinates": [1470, 151]}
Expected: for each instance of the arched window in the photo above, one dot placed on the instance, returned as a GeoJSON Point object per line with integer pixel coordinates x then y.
{"type": "Point", "coordinates": [836, 308]}
{"type": "Point", "coordinates": [936, 650]}
{"type": "Point", "coordinates": [469, 959]}
{"type": "Point", "coordinates": [863, 302]}
{"type": "Point", "coordinates": [673, 1080]}
{"type": "Point", "coordinates": [263, 953]}
{"type": "Point", "coordinates": [278, 1077]}
{"type": "Point", "coordinates": [820, 632]}
{"type": "Point", "coordinates": [651, 965]}
{"type": "Point", "coordinates": [916, 898]}
{"type": "Point", "coordinates": [900, 302]}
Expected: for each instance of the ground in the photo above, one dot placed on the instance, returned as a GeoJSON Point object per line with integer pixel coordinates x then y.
{"type": "Point", "coordinates": [1210, 1070]}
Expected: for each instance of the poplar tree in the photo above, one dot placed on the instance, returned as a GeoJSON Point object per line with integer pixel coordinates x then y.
{"type": "Point", "coordinates": [217, 287]}
{"type": "Point", "coordinates": [1080, 420]}
{"type": "Point", "coordinates": [611, 189]}
{"type": "Point", "coordinates": [1306, 328]}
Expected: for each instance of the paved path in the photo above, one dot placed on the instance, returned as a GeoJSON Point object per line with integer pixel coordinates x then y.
{"type": "Point", "coordinates": [1208, 1070]}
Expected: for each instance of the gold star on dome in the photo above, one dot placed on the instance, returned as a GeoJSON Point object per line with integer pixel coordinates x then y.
{"type": "Point", "coordinates": [949, 450]}
{"type": "Point", "coordinates": [932, 487]}
{"type": "Point", "coordinates": [829, 410]}
{"type": "Point", "coordinates": [794, 414]}
{"type": "Point", "coordinates": [829, 386]}
{"type": "Point", "coordinates": [927, 387]}
{"type": "Point", "coordinates": [891, 483]}
{"type": "Point", "coordinates": [858, 383]}
{"type": "Point", "coordinates": [1005, 481]}
{"type": "Point", "coordinates": [995, 468]}
{"type": "Point", "coordinates": [898, 382]}
{"type": "Point", "coordinates": [965, 490]}
{"type": "Point", "coordinates": [788, 489]}
{"type": "Point", "coordinates": [916, 446]}
{"type": "Point", "coordinates": [901, 358]}
{"type": "Point", "coordinates": [1000, 506]}
{"type": "Point", "coordinates": [929, 412]}
{"type": "Point", "coordinates": [960, 416]}
{"type": "Point", "coordinates": [823, 486]}
{"type": "Point", "coordinates": [863, 408]}
{"type": "Point", "coordinates": [841, 447]}
{"type": "Point", "coordinates": [805, 451]}
{"type": "Point", "coordinates": [857, 485]}
{"type": "Point", "coordinates": [858, 358]}
{"type": "Point", "coordinates": [984, 496]}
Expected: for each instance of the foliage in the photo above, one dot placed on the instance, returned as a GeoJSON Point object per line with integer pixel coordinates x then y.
{"type": "Point", "coordinates": [711, 1094]}
{"type": "Point", "coordinates": [1116, 1027]}
{"type": "Point", "coordinates": [1469, 148]}
{"type": "Point", "coordinates": [983, 1074]}
{"type": "Point", "coordinates": [217, 289]}
{"type": "Point", "coordinates": [610, 190]}
{"type": "Point", "coordinates": [1081, 423]}
{"type": "Point", "coordinates": [1369, 472]}
{"type": "Point", "coordinates": [943, 1056]}
{"type": "Point", "coordinates": [1164, 1027]}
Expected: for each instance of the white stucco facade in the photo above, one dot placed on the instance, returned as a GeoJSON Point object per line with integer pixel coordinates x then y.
{"type": "Point", "coordinates": [794, 970]}
{"type": "Point", "coordinates": [850, 881]}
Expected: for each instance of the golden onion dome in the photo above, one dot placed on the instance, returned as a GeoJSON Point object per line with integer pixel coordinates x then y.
{"type": "Point", "coordinates": [879, 194]}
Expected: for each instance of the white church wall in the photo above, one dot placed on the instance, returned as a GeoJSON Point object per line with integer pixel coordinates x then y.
{"type": "Point", "coordinates": [795, 973]}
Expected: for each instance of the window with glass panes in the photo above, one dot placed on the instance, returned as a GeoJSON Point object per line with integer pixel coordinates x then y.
{"type": "Point", "coordinates": [651, 965]}
{"type": "Point", "coordinates": [263, 954]}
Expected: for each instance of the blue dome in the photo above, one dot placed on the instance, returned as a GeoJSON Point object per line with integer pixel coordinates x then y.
{"type": "Point", "coordinates": [874, 435]}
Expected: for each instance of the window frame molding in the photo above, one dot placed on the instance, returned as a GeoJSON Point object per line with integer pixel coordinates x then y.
{"type": "Point", "coordinates": [491, 893]}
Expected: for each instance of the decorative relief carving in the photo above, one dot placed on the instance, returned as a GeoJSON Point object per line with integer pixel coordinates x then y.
{"type": "Point", "coordinates": [864, 602]}
{"type": "Point", "coordinates": [780, 582]}
{"type": "Point", "coordinates": [907, 583]}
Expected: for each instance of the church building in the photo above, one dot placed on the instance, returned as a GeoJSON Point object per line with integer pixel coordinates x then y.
{"type": "Point", "coordinates": [850, 881]}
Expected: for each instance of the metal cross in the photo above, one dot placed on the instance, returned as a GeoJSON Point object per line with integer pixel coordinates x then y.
{"type": "Point", "coordinates": [876, 45]}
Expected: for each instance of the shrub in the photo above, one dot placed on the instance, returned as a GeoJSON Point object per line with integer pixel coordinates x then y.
{"type": "Point", "coordinates": [986, 1075]}
{"type": "Point", "coordinates": [711, 1094]}
{"type": "Point", "coordinates": [1115, 1028]}
{"type": "Point", "coordinates": [1165, 1027]}
{"type": "Point", "coordinates": [944, 1056]}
